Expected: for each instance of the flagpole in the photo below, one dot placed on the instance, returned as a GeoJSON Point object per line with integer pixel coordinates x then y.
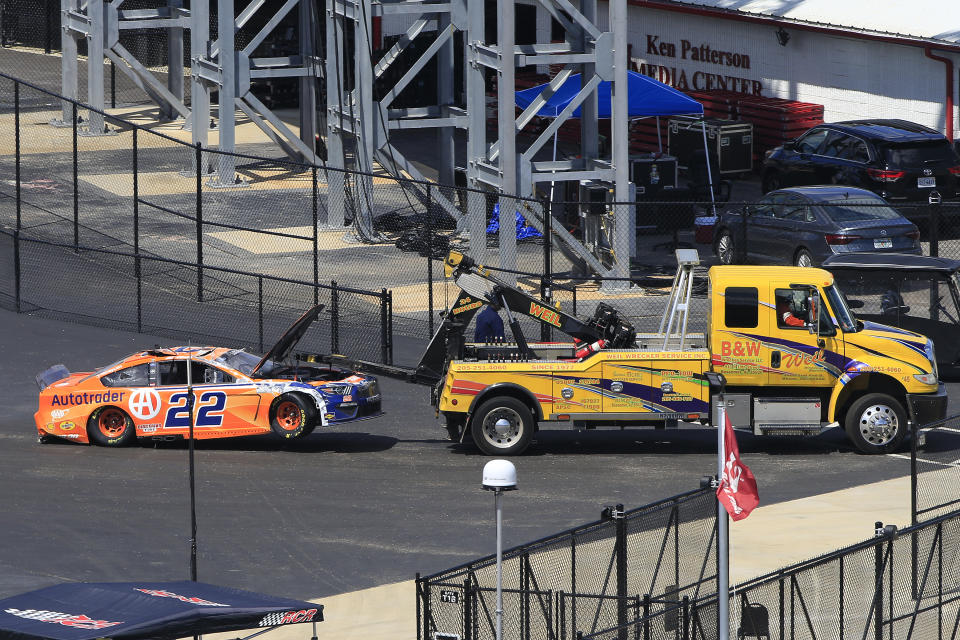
{"type": "Point", "coordinates": [718, 381]}
{"type": "Point", "coordinates": [193, 492]}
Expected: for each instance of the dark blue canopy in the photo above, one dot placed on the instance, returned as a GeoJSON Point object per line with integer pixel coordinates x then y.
{"type": "Point", "coordinates": [645, 97]}
{"type": "Point", "coordinates": [141, 610]}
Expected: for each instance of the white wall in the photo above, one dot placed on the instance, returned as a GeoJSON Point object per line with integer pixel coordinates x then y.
{"type": "Point", "coordinates": [852, 78]}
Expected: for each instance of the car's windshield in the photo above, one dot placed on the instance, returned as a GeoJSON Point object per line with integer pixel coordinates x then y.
{"type": "Point", "coordinates": [845, 317]}
{"type": "Point", "coordinates": [920, 154]}
{"type": "Point", "coordinates": [859, 210]}
{"type": "Point", "coordinates": [240, 360]}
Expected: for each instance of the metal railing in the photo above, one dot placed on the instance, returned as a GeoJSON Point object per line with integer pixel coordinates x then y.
{"type": "Point", "coordinates": [584, 579]}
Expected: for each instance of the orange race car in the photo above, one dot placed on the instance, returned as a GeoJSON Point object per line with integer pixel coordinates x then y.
{"type": "Point", "coordinates": [235, 394]}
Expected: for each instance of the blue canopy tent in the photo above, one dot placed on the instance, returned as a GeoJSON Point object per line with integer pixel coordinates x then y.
{"type": "Point", "coordinates": [144, 610]}
{"type": "Point", "coordinates": [646, 98]}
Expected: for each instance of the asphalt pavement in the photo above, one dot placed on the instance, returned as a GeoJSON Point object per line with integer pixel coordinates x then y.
{"type": "Point", "coordinates": [350, 507]}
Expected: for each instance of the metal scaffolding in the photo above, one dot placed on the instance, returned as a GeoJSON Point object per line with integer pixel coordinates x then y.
{"type": "Point", "coordinates": [355, 119]}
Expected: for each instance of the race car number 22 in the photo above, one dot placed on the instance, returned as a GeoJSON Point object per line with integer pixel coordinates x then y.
{"type": "Point", "coordinates": [209, 415]}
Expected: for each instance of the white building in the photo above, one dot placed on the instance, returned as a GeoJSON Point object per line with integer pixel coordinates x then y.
{"type": "Point", "coordinates": [858, 58]}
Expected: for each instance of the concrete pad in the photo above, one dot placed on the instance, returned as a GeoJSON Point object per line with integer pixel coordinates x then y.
{"type": "Point", "coordinates": [262, 244]}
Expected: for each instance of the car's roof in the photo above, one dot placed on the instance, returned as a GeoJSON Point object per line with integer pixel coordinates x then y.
{"type": "Point", "coordinates": [892, 131]}
{"type": "Point", "coordinates": [831, 192]}
{"type": "Point", "coordinates": [208, 354]}
{"type": "Point", "coordinates": [881, 261]}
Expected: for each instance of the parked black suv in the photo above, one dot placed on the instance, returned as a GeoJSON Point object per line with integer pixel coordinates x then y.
{"type": "Point", "coordinates": [898, 160]}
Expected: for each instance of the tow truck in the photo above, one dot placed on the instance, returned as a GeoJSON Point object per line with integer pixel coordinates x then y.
{"type": "Point", "coordinates": [795, 359]}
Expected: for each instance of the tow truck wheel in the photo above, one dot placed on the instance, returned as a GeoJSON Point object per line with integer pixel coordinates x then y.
{"type": "Point", "coordinates": [502, 426]}
{"type": "Point", "coordinates": [876, 423]}
{"type": "Point", "coordinates": [291, 417]}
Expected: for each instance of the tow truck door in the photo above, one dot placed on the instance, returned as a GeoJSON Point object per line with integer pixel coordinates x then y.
{"type": "Point", "coordinates": [794, 356]}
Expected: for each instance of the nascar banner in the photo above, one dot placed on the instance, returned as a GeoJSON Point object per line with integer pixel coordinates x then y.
{"type": "Point", "coordinates": [135, 610]}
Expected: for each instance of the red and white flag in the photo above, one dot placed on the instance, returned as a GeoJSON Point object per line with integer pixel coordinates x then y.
{"type": "Point", "coordinates": [738, 488]}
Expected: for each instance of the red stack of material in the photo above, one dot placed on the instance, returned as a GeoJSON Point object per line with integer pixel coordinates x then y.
{"type": "Point", "coordinates": [775, 120]}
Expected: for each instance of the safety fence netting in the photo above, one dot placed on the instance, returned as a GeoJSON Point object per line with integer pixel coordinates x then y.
{"type": "Point", "coordinates": [185, 301]}
{"type": "Point", "coordinates": [898, 584]}
{"type": "Point", "coordinates": [935, 469]}
{"type": "Point", "coordinates": [583, 580]}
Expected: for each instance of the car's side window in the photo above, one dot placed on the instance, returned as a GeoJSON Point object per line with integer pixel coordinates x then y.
{"type": "Point", "coordinates": [797, 209]}
{"type": "Point", "coordinates": [206, 374]}
{"type": "Point", "coordinates": [135, 376]}
{"type": "Point", "coordinates": [763, 208]}
{"type": "Point", "coordinates": [812, 141]}
{"type": "Point", "coordinates": [855, 150]}
{"type": "Point", "coordinates": [174, 372]}
{"type": "Point", "coordinates": [835, 144]}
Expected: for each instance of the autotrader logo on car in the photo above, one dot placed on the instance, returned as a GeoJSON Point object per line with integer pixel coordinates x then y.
{"type": "Point", "coordinates": [144, 404]}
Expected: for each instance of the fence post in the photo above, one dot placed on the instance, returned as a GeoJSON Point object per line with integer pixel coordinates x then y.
{"type": "Point", "coordinates": [546, 281]}
{"type": "Point", "coordinates": [198, 150]}
{"type": "Point", "coordinates": [316, 248]}
{"type": "Point", "coordinates": [934, 207]}
{"type": "Point", "coordinates": [878, 583]}
{"type": "Point", "coordinates": [260, 310]}
{"type": "Point", "coordinates": [525, 596]}
{"type": "Point", "coordinates": [334, 317]}
{"type": "Point", "coordinates": [76, 185]}
{"type": "Point", "coordinates": [621, 550]}
{"type": "Point", "coordinates": [16, 135]}
{"type": "Point", "coordinates": [419, 587]}
{"type": "Point", "coordinates": [383, 325]}
{"type": "Point", "coordinates": [136, 229]}
{"type": "Point", "coordinates": [646, 616]}
{"type": "Point", "coordinates": [915, 432]}
{"type": "Point", "coordinates": [573, 582]}
{"type": "Point", "coordinates": [467, 611]}
{"type": "Point", "coordinates": [390, 326]}
{"type": "Point", "coordinates": [113, 85]}
{"type": "Point", "coordinates": [429, 232]}
{"type": "Point", "coordinates": [16, 267]}
{"type": "Point", "coordinates": [686, 618]}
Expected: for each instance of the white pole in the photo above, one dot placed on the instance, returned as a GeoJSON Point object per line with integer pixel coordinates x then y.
{"type": "Point", "coordinates": [706, 148]}
{"type": "Point", "coordinates": [723, 597]}
{"type": "Point", "coordinates": [496, 499]}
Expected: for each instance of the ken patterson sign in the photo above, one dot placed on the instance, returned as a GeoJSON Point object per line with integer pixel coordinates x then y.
{"type": "Point", "coordinates": [701, 53]}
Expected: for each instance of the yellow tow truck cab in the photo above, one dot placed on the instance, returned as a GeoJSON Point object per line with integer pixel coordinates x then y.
{"type": "Point", "coordinates": [795, 359]}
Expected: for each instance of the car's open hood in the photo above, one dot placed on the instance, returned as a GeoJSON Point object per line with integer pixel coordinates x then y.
{"type": "Point", "coordinates": [289, 339]}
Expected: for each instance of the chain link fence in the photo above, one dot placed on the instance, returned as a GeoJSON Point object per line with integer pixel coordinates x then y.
{"type": "Point", "coordinates": [898, 584]}
{"type": "Point", "coordinates": [582, 580]}
{"type": "Point", "coordinates": [934, 469]}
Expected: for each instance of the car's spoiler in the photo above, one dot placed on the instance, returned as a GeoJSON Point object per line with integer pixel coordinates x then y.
{"type": "Point", "coordinates": [56, 372]}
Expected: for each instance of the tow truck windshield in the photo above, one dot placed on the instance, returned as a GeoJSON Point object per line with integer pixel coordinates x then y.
{"type": "Point", "coordinates": [846, 319]}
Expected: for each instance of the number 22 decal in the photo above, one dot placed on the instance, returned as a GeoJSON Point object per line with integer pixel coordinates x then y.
{"type": "Point", "coordinates": [209, 415]}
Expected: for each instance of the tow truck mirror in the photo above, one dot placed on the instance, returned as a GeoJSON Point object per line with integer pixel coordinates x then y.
{"type": "Point", "coordinates": [813, 309]}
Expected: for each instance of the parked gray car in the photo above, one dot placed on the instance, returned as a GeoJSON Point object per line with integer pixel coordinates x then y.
{"type": "Point", "coordinates": [805, 225]}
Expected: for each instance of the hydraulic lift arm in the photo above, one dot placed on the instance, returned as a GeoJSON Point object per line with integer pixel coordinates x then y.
{"type": "Point", "coordinates": [479, 287]}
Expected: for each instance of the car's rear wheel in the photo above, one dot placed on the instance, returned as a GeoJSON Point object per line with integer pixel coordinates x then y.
{"type": "Point", "coordinates": [110, 427]}
{"type": "Point", "coordinates": [291, 417]}
{"type": "Point", "coordinates": [803, 258]}
{"type": "Point", "coordinates": [725, 248]}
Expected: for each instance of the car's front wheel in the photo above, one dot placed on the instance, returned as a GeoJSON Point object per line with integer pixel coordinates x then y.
{"type": "Point", "coordinates": [876, 423]}
{"type": "Point", "coordinates": [291, 417]}
{"type": "Point", "coordinates": [725, 248]}
{"type": "Point", "coordinates": [110, 427]}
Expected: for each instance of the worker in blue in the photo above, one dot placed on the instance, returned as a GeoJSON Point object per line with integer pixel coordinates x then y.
{"type": "Point", "coordinates": [489, 324]}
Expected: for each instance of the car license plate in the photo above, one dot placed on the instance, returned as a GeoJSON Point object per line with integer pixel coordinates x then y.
{"type": "Point", "coordinates": [883, 243]}
{"type": "Point", "coordinates": [926, 183]}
